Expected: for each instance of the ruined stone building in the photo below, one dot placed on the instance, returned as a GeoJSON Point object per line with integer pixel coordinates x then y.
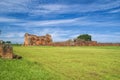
{"type": "Point", "coordinates": [30, 40]}
{"type": "Point", "coordinates": [6, 51]}
{"type": "Point", "coordinates": [33, 40]}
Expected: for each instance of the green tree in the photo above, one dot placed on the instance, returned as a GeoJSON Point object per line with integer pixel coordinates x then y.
{"type": "Point", "coordinates": [85, 37]}
{"type": "Point", "coordinates": [8, 42]}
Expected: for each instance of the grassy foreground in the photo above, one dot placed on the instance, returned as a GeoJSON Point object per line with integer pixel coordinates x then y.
{"type": "Point", "coordinates": [62, 63]}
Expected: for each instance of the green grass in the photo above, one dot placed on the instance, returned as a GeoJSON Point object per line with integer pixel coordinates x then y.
{"type": "Point", "coordinates": [62, 63]}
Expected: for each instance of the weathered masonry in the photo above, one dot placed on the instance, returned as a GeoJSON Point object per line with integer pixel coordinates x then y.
{"type": "Point", "coordinates": [30, 40]}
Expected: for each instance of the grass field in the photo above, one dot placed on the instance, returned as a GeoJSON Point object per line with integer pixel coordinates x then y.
{"type": "Point", "coordinates": [62, 63]}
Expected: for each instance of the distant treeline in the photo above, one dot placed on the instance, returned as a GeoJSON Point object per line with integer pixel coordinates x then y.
{"type": "Point", "coordinates": [16, 44]}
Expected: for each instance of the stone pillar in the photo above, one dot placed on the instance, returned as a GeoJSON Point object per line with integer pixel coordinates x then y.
{"type": "Point", "coordinates": [6, 51]}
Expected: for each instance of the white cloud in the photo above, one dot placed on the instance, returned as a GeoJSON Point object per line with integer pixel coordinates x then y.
{"type": "Point", "coordinates": [49, 9]}
{"type": "Point", "coordinates": [5, 19]}
{"type": "Point", "coordinates": [67, 8]}
{"type": "Point", "coordinates": [46, 22]}
{"type": "Point", "coordinates": [115, 11]}
{"type": "Point", "coordinates": [80, 21]}
{"type": "Point", "coordinates": [28, 6]}
{"type": "Point", "coordinates": [13, 34]}
{"type": "Point", "coordinates": [14, 6]}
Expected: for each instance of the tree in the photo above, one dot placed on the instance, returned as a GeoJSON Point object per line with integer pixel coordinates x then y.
{"type": "Point", "coordinates": [8, 42]}
{"type": "Point", "coordinates": [84, 37]}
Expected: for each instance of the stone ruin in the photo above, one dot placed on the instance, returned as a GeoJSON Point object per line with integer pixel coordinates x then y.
{"type": "Point", "coordinates": [6, 51]}
{"type": "Point", "coordinates": [33, 40]}
{"type": "Point", "coordinates": [80, 42]}
{"type": "Point", "coordinates": [30, 40]}
{"type": "Point", "coordinates": [75, 43]}
{"type": "Point", "coordinates": [83, 43]}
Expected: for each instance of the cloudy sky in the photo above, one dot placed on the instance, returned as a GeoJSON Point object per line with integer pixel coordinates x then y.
{"type": "Point", "coordinates": [63, 19]}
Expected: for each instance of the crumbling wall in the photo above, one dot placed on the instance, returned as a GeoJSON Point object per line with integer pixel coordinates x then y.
{"type": "Point", "coordinates": [6, 51]}
{"type": "Point", "coordinates": [81, 43]}
{"type": "Point", "coordinates": [84, 43]}
{"type": "Point", "coordinates": [30, 40]}
{"type": "Point", "coordinates": [108, 44]}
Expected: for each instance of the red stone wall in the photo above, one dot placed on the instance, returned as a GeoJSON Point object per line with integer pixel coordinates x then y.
{"type": "Point", "coordinates": [84, 43]}
{"type": "Point", "coordinates": [31, 40]}
{"type": "Point", "coordinates": [6, 51]}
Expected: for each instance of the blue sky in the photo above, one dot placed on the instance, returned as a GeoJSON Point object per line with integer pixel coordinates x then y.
{"type": "Point", "coordinates": [63, 19]}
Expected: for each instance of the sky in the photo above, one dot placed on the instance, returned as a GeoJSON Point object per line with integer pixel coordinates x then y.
{"type": "Point", "coordinates": [63, 19]}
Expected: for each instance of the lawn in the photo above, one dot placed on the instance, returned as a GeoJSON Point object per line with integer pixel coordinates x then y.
{"type": "Point", "coordinates": [62, 63]}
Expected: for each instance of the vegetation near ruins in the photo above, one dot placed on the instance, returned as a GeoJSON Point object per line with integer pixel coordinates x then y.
{"type": "Point", "coordinates": [62, 63]}
{"type": "Point", "coordinates": [85, 37]}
